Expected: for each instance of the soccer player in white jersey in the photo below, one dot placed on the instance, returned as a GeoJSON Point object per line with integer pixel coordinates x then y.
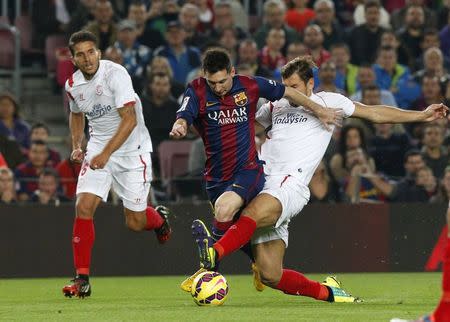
{"type": "Point", "coordinates": [295, 145]}
{"type": "Point", "coordinates": [117, 154]}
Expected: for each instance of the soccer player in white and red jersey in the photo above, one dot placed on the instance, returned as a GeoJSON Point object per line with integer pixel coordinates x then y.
{"type": "Point", "coordinates": [117, 154]}
{"type": "Point", "coordinates": [294, 148]}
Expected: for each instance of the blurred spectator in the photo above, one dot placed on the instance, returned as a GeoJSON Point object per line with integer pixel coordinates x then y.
{"type": "Point", "coordinates": [359, 16]}
{"type": "Point", "coordinates": [159, 109]}
{"type": "Point", "coordinates": [11, 151]}
{"type": "Point", "coordinates": [442, 13]}
{"type": "Point", "coordinates": [84, 12]}
{"type": "Point", "coordinates": [299, 15]}
{"type": "Point", "coordinates": [323, 189]}
{"type": "Point", "coordinates": [387, 147]}
{"type": "Point", "coordinates": [114, 54]}
{"type": "Point", "coordinates": [433, 62]}
{"type": "Point", "coordinates": [50, 17]}
{"type": "Point", "coordinates": [271, 56]}
{"type": "Point", "coordinates": [364, 39]}
{"type": "Point", "coordinates": [327, 78]}
{"type": "Point", "coordinates": [430, 40]}
{"type": "Point", "coordinates": [229, 41]}
{"type": "Point", "coordinates": [197, 158]}
{"type": "Point", "coordinates": [248, 55]}
{"type": "Point", "coordinates": [352, 138]}
{"type": "Point", "coordinates": [147, 36]}
{"type": "Point", "coordinates": [3, 163]}
{"type": "Point", "coordinates": [135, 55]}
{"type": "Point", "coordinates": [11, 124]}
{"type": "Point", "coordinates": [161, 65]}
{"type": "Point", "coordinates": [434, 153]}
{"type": "Point", "coordinates": [398, 16]}
{"type": "Point", "coordinates": [326, 20]}
{"type": "Point", "coordinates": [103, 27]}
{"type": "Point", "coordinates": [390, 39]}
{"type": "Point", "coordinates": [155, 16]}
{"type": "Point", "coordinates": [241, 16]}
{"type": "Point", "coordinates": [183, 59]}
{"type": "Point", "coordinates": [444, 36]}
{"type": "Point", "coordinates": [346, 73]}
{"type": "Point", "coordinates": [358, 188]}
{"type": "Point", "coordinates": [426, 182]}
{"type": "Point", "coordinates": [431, 92]}
{"type": "Point", "coordinates": [224, 19]}
{"type": "Point", "coordinates": [206, 13]}
{"type": "Point", "coordinates": [28, 172]}
{"type": "Point", "coordinates": [313, 40]}
{"type": "Point", "coordinates": [296, 49]}
{"type": "Point", "coordinates": [48, 189]}
{"type": "Point", "coordinates": [412, 33]}
{"type": "Point", "coordinates": [40, 132]}
{"type": "Point", "coordinates": [190, 19]}
{"type": "Point", "coordinates": [7, 187]}
{"type": "Point", "coordinates": [395, 77]}
{"type": "Point", "coordinates": [68, 172]}
{"type": "Point", "coordinates": [274, 11]}
{"type": "Point", "coordinates": [443, 194]}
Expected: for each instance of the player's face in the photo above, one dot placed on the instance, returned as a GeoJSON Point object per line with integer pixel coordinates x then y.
{"type": "Point", "coordinates": [221, 81]}
{"type": "Point", "coordinates": [86, 57]}
{"type": "Point", "coordinates": [296, 82]}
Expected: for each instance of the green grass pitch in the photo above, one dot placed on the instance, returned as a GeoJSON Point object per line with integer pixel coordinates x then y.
{"type": "Point", "coordinates": [405, 295]}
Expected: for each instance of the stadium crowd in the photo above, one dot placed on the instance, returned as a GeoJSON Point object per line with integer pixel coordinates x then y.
{"type": "Point", "coordinates": [393, 52]}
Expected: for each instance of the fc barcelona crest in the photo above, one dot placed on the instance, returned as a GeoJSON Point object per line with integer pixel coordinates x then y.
{"type": "Point", "coordinates": [240, 99]}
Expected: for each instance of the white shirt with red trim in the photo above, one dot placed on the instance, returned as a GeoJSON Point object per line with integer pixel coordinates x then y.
{"type": "Point", "coordinates": [296, 139]}
{"type": "Point", "coordinates": [99, 99]}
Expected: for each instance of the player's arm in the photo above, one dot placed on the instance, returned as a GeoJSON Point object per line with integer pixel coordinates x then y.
{"type": "Point", "coordinates": [186, 114]}
{"type": "Point", "coordinates": [76, 124]}
{"type": "Point", "coordinates": [127, 124]}
{"type": "Point", "coordinates": [390, 114]}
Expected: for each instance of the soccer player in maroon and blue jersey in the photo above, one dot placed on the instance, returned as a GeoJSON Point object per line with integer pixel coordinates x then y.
{"type": "Point", "coordinates": [222, 107]}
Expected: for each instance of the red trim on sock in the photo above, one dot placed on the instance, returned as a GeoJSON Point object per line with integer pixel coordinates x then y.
{"type": "Point", "coordinates": [236, 236]}
{"type": "Point", "coordinates": [154, 220]}
{"type": "Point", "coordinates": [223, 226]}
{"type": "Point", "coordinates": [83, 238]}
{"type": "Point", "coordinates": [295, 283]}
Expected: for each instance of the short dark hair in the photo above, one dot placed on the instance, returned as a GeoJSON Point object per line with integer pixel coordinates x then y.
{"type": "Point", "coordinates": [371, 4]}
{"type": "Point", "coordinates": [40, 125]}
{"type": "Point", "coordinates": [50, 173]}
{"type": "Point", "coordinates": [368, 88]}
{"type": "Point", "coordinates": [411, 153]}
{"type": "Point", "coordinates": [81, 36]}
{"type": "Point", "coordinates": [302, 65]}
{"type": "Point", "coordinates": [215, 60]}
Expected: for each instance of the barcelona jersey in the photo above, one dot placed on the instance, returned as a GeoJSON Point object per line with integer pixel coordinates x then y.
{"type": "Point", "coordinates": [226, 124]}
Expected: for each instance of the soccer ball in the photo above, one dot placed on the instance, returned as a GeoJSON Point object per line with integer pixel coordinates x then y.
{"type": "Point", "coordinates": [210, 289]}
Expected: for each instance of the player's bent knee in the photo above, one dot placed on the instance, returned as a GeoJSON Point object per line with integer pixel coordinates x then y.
{"type": "Point", "coordinates": [84, 210]}
{"type": "Point", "coordinates": [134, 224]}
{"type": "Point", "coordinates": [270, 277]}
{"type": "Point", "coordinates": [224, 213]}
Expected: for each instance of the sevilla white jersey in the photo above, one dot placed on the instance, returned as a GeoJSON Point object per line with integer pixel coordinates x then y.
{"type": "Point", "coordinates": [297, 140]}
{"type": "Point", "coordinates": [99, 99]}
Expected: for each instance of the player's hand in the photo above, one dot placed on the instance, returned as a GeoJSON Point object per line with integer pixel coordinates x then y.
{"type": "Point", "coordinates": [99, 161]}
{"type": "Point", "coordinates": [77, 155]}
{"type": "Point", "coordinates": [330, 116]}
{"type": "Point", "coordinates": [179, 131]}
{"type": "Point", "coordinates": [435, 111]}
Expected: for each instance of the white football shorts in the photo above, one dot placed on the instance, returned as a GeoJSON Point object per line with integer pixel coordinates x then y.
{"type": "Point", "coordinates": [130, 177]}
{"type": "Point", "coordinates": [293, 196]}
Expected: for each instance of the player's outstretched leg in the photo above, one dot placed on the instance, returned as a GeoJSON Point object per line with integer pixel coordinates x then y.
{"type": "Point", "coordinates": [186, 285]}
{"type": "Point", "coordinates": [78, 287]}
{"type": "Point", "coordinates": [205, 243]}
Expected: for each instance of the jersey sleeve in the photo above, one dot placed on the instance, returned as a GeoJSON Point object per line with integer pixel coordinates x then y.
{"type": "Point", "coordinates": [189, 106]}
{"type": "Point", "coordinates": [270, 89]}
{"type": "Point", "coordinates": [340, 101]}
{"type": "Point", "coordinates": [72, 104]}
{"type": "Point", "coordinates": [264, 115]}
{"type": "Point", "coordinates": [122, 87]}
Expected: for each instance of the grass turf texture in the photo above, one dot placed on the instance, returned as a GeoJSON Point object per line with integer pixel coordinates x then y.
{"type": "Point", "coordinates": [405, 295]}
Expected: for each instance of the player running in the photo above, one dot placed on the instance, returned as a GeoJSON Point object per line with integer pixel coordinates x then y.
{"type": "Point", "coordinates": [222, 107]}
{"type": "Point", "coordinates": [295, 145]}
{"type": "Point", "coordinates": [117, 154]}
